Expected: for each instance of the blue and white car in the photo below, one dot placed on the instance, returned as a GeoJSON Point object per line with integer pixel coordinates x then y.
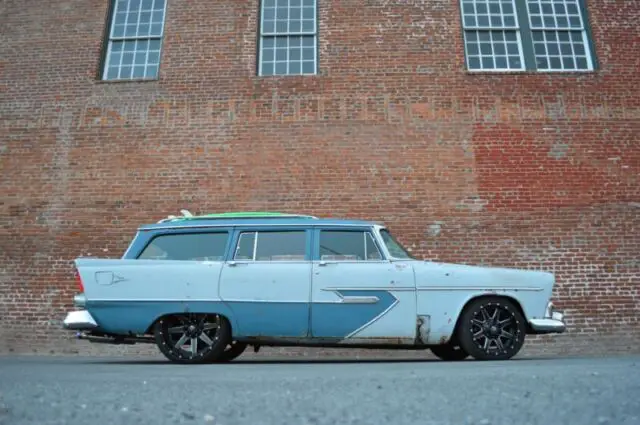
{"type": "Point", "coordinates": [204, 288]}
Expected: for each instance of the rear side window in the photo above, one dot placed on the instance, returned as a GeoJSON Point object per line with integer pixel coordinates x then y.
{"type": "Point", "coordinates": [272, 246]}
{"type": "Point", "coordinates": [187, 247]}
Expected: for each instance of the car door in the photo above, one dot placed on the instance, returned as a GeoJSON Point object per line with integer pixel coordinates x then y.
{"type": "Point", "coordinates": [356, 293]}
{"type": "Point", "coordinates": [267, 282]}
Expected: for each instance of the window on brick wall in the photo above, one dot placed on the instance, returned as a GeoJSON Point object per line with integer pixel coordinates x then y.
{"type": "Point", "coordinates": [288, 37]}
{"type": "Point", "coordinates": [134, 39]}
{"type": "Point", "coordinates": [526, 35]}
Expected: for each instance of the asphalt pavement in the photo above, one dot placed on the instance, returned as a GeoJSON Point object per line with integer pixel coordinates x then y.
{"type": "Point", "coordinates": [115, 391]}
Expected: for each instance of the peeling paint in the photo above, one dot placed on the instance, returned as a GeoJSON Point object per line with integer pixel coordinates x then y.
{"type": "Point", "coordinates": [435, 228]}
{"type": "Point", "coordinates": [558, 150]}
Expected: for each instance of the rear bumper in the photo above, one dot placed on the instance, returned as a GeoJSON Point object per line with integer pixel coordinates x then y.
{"type": "Point", "coordinates": [553, 322]}
{"type": "Point", "coordinates": [80, 320]}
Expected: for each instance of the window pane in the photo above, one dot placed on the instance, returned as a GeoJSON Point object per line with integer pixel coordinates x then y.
{"type": "Point", "coordinates": [394, 247]}
{"type": "Point", "coordinates": [136, 53]}
{"type": "Point", "coordinates": [138, 72]}
{"type": "Point", "coordinates": [267, 68]}
{"type": "Point", "coordinates": [495, 14]}
{"type": "Point", "coordinates": [281, 246]}
{"type": "Point", "coordinates": [267, 55]}
{"type": "Point", "coordinates": [152, 71]}
{"type": "Point", "coordinates": [292, 55]}
{"type": "Point", "coordinates": [187, 247]}
{"type": "Point", "coordinates": [347, 246]}
{"type": "Point", "coordinates": [371, 249]}
{"type": "Point", "coordinates": [245, 246]}
{"type": "Point", "coordinates": [281, 68]}
{"type": "Point", "coordinates": [294, 68]}
{"type": "Point", "coordinates": [559, 50]}
{"type": "Point", "coordinates": [308, 67]}
{"type": "Point", "coordinates": [554, 14]}
{"type": "Point", "coordinates": [133, 22]}
{"type": "Point", "coordinates": [483, 47]}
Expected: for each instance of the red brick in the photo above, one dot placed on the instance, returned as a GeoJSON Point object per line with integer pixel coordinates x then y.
{"type": "Point", "coordinates": [526, 170]}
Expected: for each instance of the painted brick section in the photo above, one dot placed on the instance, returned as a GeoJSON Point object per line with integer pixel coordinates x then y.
{"type": "Point", "coordinates": [525, 170]}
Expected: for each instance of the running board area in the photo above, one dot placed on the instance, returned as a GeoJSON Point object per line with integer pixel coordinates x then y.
{"type": "Point", "coordinates": [115, 339]}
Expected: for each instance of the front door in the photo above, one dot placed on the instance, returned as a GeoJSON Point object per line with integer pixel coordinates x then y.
{"type": "Point", "coordinates": [356, 293]}
{"type": "Point", "coordinates": [267, 283]}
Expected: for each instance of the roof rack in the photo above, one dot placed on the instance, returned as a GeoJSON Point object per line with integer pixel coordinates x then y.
{"type": "Point", "coordinates": [187, 215]}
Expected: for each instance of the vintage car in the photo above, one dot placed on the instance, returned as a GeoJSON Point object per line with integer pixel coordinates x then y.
{"type": "Point", "coordinates": [204, 288]}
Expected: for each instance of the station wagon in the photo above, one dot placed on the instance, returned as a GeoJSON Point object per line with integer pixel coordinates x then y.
{"type": "Point", "coordinates": [205, 288]}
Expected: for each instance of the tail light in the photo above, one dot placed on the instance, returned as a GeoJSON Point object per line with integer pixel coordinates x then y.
{"type": "Point", "coordinates": [79, 282]}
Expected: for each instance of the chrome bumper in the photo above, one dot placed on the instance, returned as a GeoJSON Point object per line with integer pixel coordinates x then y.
{"type": "Point", "coordinates": [80, 320]}
{"type": "Point", "coordinates": [553, 322]}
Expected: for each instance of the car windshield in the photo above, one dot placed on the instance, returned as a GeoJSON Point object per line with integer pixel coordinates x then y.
{"type": "Point", "coordinates": [395, 248]}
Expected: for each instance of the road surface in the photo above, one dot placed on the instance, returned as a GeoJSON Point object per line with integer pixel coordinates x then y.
{"type": "Point", "coordinates": [96, 391]}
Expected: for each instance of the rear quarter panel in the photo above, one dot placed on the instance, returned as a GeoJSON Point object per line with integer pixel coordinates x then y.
{"type": "Point", "coordinates": [127, 296]}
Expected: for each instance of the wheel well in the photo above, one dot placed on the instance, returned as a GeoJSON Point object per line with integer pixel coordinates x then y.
{"type": "Point", "coordinates": [515, 302]}
{"type": "Point", "coordinates": [149, 329]}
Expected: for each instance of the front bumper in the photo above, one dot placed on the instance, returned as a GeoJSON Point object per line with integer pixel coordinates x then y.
{"type": "Point", "coordinates": [553, 322]}
{"type": "Point", "coordinates": [80, 320]}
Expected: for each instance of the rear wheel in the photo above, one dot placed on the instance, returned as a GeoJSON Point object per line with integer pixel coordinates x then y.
{"type": "Point", "coordinates": [232, 351]}
{"type": "Point", "coordinates": [192, 338]}
{"type": "Point", "coordinates": [449, 352]}
{"type": "Point", "coordinates": [491, 328]}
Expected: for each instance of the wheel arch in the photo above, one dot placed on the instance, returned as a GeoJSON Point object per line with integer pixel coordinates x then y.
{"type": "Point", "coordinates": [474, 298]}
{"type": "Point", "coordinates": [227, 317]}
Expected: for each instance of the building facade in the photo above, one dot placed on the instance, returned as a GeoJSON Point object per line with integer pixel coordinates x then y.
{"type": "Point", "coordinates": [496, 132]}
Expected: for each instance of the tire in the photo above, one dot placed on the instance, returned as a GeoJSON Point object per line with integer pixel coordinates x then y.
{"type": "Point", "coordinates": [232, 351]}
{"type": "Point", "coordinates": [488, 337]}
{"type": "Point", "coordinates": [449, 352]}
{"type": "Point", "coordinates": [210, 332]}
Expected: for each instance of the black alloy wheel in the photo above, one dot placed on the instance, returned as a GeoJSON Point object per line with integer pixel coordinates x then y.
{"type": "Point", "coordinates": [192, 338]}
{"type": "Point", "coordinates": [492, 328]}
{"type": "Point", "coordinates": [449, 352]}
{"type": "Point", "coordinates": [232, 351]}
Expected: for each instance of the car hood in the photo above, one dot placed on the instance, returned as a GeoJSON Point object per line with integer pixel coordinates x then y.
{"type": "Point", "coordinates": [461, 276]}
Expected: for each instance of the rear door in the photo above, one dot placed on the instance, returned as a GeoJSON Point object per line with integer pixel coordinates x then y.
{"type": "Point", "coordinates": [267, 282]}
{"type": "Point", "coordinates": [357, 294]}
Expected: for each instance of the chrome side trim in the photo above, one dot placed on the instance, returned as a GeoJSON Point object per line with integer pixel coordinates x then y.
{"type": "Point", "coordinates": [369, 288]}
{"type": "Point", "coordinates": [480, 288]}
{"type": "Point", "coordinates": [79, 320]}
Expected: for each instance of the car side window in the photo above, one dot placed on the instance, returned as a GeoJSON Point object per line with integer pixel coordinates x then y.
{"type": "Point", "coordinates": [339, 245]}
{"type": "Point", "coordinates": [271, 246]}
{"type": "Point", "coordinates": [208, 246]}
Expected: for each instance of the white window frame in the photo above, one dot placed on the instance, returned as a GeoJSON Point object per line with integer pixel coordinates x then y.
{"type": "Point", "coordinates": [111, 39]}
{"type": "Point", "coordinates": [275, 35]}
{"type": "Point", "coordinates": [524, 29]}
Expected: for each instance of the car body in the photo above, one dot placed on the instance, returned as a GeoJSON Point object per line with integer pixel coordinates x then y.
{"type": "Point", "coordinates": [204, 288]}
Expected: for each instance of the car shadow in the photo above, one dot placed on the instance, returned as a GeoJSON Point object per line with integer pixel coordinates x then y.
{"type": "Point", "coordinates": [303, 361]}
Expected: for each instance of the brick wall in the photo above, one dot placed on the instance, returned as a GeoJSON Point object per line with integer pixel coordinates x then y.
{"type": "Point", "coordinates": [525, 170]}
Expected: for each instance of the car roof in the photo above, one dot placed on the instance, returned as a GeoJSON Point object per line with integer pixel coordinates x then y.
{"type": "Point", "coordinates": [251, 218]}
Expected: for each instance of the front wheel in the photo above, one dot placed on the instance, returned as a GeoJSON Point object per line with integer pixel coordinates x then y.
{"type": "Point", "coordinates": [192, 338]}
{"type": "Point", "coordinates": [449, 352]}
{"type": "Point", "coordinates": [491, 328]}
